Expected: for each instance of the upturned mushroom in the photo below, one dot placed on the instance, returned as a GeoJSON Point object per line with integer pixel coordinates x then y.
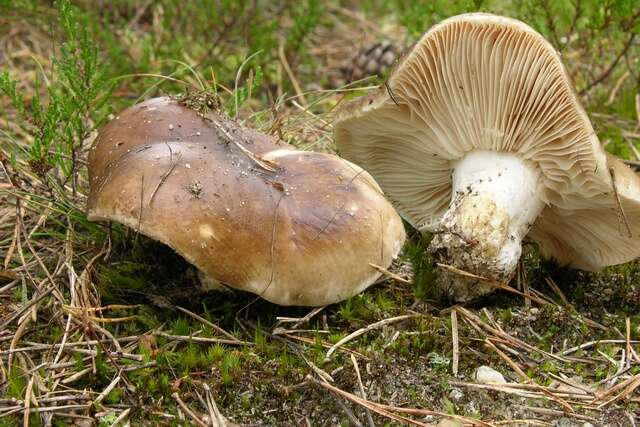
{"type": "Point", "coordinates": [478, 137]}
{"type": "Point", "coordinates": [250, 212]}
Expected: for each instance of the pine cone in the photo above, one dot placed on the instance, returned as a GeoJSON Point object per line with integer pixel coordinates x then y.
{"type": "Point", "coordinates": [372, 60]}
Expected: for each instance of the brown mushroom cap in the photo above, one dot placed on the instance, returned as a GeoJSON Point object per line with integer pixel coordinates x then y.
{"type": "Point", "coordinates": [295, 227]}
{"type": "Point", "coordinates": [484, 82]}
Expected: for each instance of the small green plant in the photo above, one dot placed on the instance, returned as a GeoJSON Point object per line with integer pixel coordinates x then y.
{"type": "Point", "coordinates": [75, 102]}
{"type": "Point", "coordinates": [260, 339]}
{"type": "Point", "coordinates": [346, 310]}
{"type": "Point", "coordinates": [216, 352]}
{"type": "Point", "coordinates": [107, 420]}
{"type": "Point", "coordinates": [424, 271]}
{"type": "Point", "coordinates": [181, 326]}
{"type": "Point", "coordinates": [16, 383]}
{"type": "Point", "coordinates": [306, 17]}
{"type": "Point", "coordinates": [438, 360]}
{"type": "Point", "coordinates": [285, 364]}
{"type": "Point", "coordinates": [228, 367]}
{"type": "Point", "coordinates": [449, 406]}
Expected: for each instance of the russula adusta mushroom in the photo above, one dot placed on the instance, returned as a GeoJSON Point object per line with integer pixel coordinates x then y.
{"type": "Point", "coordinates": [250, 212]}
{"type": "Point", "coordinates": [478, 136]}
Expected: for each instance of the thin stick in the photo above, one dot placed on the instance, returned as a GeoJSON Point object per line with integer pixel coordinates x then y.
{"type": "Point", "coordinates": [630, 351]}
{"type": "Point", "coordinates": [456, 344]}
{"type": "Point", "coordinates": [292, 77]}
{"type": "Point", "coordinates": [305, 319]}
{"type": "Point", "coordinates": [188, 411]}
{"type": "Point", "coordinates": [206, 322]}
{"type": "Point", "coordinates": [76, 376]}
{"type": "Point", "coordinates": [385, 409]}
{"type": "Point", "coordinates": [555, 412]}
{"type": "Point", "coordinates": [591, 344]}
{"type": "Point", "coordinates": [366, 403]}
{"type": "Point", "coordinates": [370, 327]}
{"type": "Point", "coordinates": [526, 379]}
{"type": "Point", "coordinates": [107, 390]}
{"type": "Point", "coordinates": [14, 409]}
{"type": "Point", "coordinates": [120, 417]}
{"type": "Point", "coordinates": [354, 420]}
{"type": "Point", "coordinates": [216, 417]}
{"type": "Point", "coordinates": [389, 274]}
{"type": "Point", "coordinates": [631, 385]}
{"type": "Point", "coordinates": [638, 111]}
{"type": "Point", "coordinates": [491, 282]}
{"type": "Point", "coordinates": [555, 288]}
{"type": "Point", "coordinates": [204, 340]}
{"type": "Point", "coordinates": [27, 402]}
{"type": "Point", "coordinates": [363, 394]}
{"type": "Point", "coordinates": [616, 88]}
{"type": "Point", "coordinates": [323, 344]}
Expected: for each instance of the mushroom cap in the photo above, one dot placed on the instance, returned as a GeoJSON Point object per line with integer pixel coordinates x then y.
{"type": "Point", "coordinates": [484, 82]}
{"type": "Point", "coordinates": [299, 230]}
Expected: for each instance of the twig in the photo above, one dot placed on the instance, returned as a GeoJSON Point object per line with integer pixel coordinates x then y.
{"type": "Point", "coordinates": [389, 274]}
{"type": "Point", "coordinates": [120, 417]}
{"type": "Point", "coordinates": [616, 88]}
{"type": "Point", "coordinates": [583, 395]}
{"type": "Point", "coordinates": [216, 417]}
{"type": "Point", "coordinates": [630, 349]}
{"type": "Point", "coordinates": [479, 325]}
{"type": "Point", "coordinates": [107, 390]}
{"type": "Point", "coordinates": [188, 411]}
{"type": "Point", "coordinates": [323, 344]}
{"type": "Point", "coordinates": [27, 402]}
{"type": "Point", "coordinates": [387, 410]}
{"type": "Point", "coordinates": [525, 378]}
{"type": "Point", "coordinates": [605, 74]}
{"type": "Point", "coordinates": [368, 404]}
{"type": "Point", "coordinates": [203, 340]}
{"type": "Point", "coordinates": [555, 288]}
{"type": "Point", "coordinates": [555, 412]}
{"type": "Point", "coordinates": [300, 320]}
{"type": "Point", "coordinates": [629, 386]}
{"type": "Point", "coordinates": [591, 344]}
{"type": "Point", "coordinates": [76, 375]}
{"type": "Point", "coordinates": [638, 111]}
{"type": "Point", "coordinates": [491, 282]}
{"type": "Point", "coordinates": [206, 322]}
{"type": "Point", "coordinates": [366, 329]}
{"type": "Point", "coordinates": [362, 392]}
{"type": "Point", "coordinates": [292, 77]}
{"type": "Point", "coordinates": [354, 420]}
{"type": "Point", "coordinates": [39, 409]}
{"type": "Point", "coordinates": [456, 344]}
{"type": "Point", "coordinates": [265, 164]}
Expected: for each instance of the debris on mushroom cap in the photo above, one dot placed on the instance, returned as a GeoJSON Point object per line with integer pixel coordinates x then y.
{"type": "Point", "coordinates": [294, 227]}
{"type": "Point", "coordinates": [479, 137]}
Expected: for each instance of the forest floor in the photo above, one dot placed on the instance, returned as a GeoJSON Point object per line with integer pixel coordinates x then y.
{"type": "Point", "coordinates": [96, 327]}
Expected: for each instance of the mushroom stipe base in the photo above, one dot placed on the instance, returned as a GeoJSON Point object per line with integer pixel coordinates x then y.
{"type": "Point", "coordinates": [496, 198]}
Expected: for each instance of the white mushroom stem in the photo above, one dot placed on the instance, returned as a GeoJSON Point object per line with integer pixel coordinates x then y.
{"type": "Point", "coordinates": [496, 198]}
